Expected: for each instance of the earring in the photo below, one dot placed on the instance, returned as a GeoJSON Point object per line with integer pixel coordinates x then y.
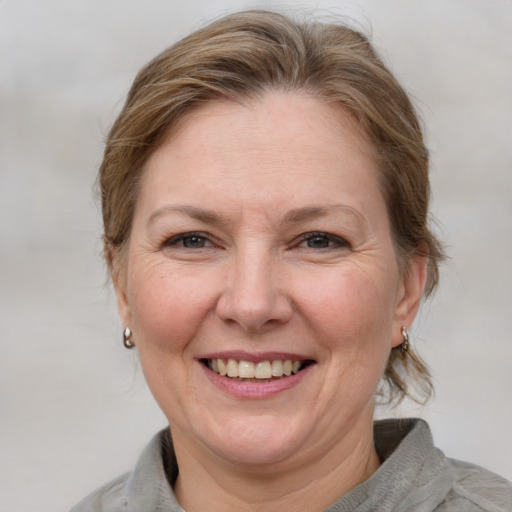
{"type": "Point", "coordinates": [405, 336]}
{"type": "Point", "coordinates": [127, 341]}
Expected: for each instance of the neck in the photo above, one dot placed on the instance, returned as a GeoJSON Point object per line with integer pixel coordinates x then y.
{"type": "Point", "coordinates": [311, 486]}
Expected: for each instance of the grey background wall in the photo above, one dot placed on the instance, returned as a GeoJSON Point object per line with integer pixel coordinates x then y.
{"type": "Point", "coordinates": [74, 410]}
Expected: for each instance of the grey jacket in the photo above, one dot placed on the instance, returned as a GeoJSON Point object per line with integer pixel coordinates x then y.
{"type": "Point", "coordinates": [415, 476]}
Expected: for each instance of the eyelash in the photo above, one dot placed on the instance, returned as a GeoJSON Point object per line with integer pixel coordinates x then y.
{"type": "Point", "coordinates": [175, 240]}
{"type": "Point", "coordinates": [332, 240]}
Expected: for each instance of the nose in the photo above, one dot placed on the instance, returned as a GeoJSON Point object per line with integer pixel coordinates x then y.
{"type": "Point", "coordinates": [252, 296]}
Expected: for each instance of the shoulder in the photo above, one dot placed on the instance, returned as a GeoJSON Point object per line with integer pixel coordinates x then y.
{"type": "Point", "coordinates": [476, 489]}
{"type": "Point", "coordinates": [144, 489]}
{"type": "Point", "coordinates": [110, 497]}
{"type": "Point", "coordinates": [417, 476]}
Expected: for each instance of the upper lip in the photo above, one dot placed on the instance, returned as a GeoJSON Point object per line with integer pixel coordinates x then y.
{"type": "Point", "coordinates": [255, 357]}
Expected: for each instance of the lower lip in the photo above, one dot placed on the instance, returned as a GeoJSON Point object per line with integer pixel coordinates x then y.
{"type": "Point", "coordinates": [256, 390]}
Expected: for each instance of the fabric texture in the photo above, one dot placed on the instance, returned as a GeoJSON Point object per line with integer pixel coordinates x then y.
{"type": "Point", "coordinates": [414, 476]}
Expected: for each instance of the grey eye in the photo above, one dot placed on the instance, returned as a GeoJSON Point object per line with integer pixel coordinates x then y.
{"type": "Point", "coordinates": [193, 242]}
{"type": "Point", "coordinates": [189, 241]}
{"type": "Point", "coordinates": [318, 242]}
{"type": "Point", "coordinates": [321, 240]}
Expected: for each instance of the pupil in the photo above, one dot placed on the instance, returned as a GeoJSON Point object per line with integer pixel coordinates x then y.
{"type": "Point", "coordinates": [193, 242]}
{"type": "Point", "coordinates": [318, 242]}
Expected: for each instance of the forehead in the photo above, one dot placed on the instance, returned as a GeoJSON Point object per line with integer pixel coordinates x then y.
{"type": "Point", "coordinates": [276, 146]}
{"type": "Point", "coordinates": [273, 117]}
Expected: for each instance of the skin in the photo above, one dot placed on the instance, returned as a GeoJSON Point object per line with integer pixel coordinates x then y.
{"type": "Point", "coordinates": [252, 182]}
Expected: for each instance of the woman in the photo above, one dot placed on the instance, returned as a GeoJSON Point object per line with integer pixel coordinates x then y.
{"type": "Point", "coordinates": [265, 202]}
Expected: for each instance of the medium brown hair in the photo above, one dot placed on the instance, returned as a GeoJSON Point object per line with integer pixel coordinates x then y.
{"type": "Point", "coordinates": [241, 56]}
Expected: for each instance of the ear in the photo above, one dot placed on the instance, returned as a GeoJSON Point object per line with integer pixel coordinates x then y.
{"type": "Point", "coordinates": [409, 296]}
{"type": "Point", "coordinates": [119, 274]}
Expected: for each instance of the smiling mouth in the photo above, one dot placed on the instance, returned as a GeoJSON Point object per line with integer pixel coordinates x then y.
{"type": "Point", "coordinates": [263, 371]}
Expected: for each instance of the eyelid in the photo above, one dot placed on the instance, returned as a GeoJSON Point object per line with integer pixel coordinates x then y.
{"type": "Point", "coordinates": [340, 241]}
{"type": "Point", "coordinates": [174, 240]}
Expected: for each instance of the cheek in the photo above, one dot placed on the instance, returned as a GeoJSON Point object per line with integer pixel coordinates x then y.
{"type": "Point", "coordinates": [168, 305]}
{"type": "Point", "coordinates": [352, 310]}
{"type": "Point", "coordinates": [352, 319]}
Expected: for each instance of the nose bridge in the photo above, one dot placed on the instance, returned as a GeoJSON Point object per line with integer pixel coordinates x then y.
{"type": "Point", "coordinates": [252, 296]}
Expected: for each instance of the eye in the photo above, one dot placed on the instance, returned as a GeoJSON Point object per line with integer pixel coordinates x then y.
{"type": "Point", "coordinates": [189, 241]}
{"type": "Point", "coordinates": [320, 240]}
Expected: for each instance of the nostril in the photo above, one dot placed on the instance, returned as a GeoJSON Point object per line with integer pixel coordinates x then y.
{"type": "Point", "coordinates": [252, 297]}
{"type": "Point", "coordinates": [256, 317]}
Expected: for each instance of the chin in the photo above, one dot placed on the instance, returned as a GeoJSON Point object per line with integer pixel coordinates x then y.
{"type": "Point", "coordinates": [260, 441]}
{"type": "Point", "coordinates": [261, 452]}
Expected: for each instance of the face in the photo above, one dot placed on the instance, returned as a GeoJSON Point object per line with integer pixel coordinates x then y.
{"type": "Point", "coordinates": [261, 242]}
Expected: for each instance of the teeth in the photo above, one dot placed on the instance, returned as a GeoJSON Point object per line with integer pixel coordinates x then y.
{"type": "Point", "coordinates": [277, 368]}
{"type": "Point", "coordinates": [264, 370]}
{"type": "Point", "coordinates": [232, 368]}
{"type": "Point", "coordinates": [246, 370]}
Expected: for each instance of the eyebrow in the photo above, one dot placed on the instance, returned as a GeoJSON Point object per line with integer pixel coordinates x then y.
{"type": "Point", "coordinates": [200, 214]}
{"type": "Point", "coordinates": [295, 216]}
{"type": "Point", "coordinates": [314, 212]}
